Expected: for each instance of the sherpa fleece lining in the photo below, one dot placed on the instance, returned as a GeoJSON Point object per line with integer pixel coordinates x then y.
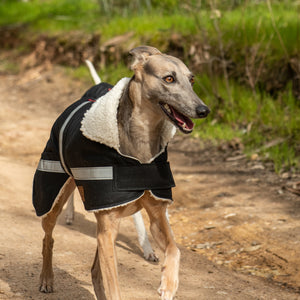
{"type": "Point", "coordinates": [100, 123]}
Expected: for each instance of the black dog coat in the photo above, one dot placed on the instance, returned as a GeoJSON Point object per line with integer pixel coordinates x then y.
{"type": "Point", "coordinates": [84, 144]}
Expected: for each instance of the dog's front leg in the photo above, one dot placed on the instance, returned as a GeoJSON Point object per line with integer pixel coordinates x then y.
{"type": "Point", "coordinates": [104, 271]}
{"type": "Point", "coordinates": [162, 233]}
{"type": "Point", "coordinates": [97, 278]}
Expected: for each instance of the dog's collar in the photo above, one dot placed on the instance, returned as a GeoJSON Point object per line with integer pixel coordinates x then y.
{"type": "Point", "coordinates": [100, 124]}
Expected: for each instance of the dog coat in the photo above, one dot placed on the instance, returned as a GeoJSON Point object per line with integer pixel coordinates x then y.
{"type": "Point", "coordinates": [84, 144]}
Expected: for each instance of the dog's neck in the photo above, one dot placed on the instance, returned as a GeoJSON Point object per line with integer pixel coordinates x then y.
{"type": "Point", "coordinates": [140, 126]}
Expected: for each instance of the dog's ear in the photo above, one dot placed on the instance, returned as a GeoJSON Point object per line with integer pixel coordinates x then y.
{"type": "Point", "coordinates": [139, 56]}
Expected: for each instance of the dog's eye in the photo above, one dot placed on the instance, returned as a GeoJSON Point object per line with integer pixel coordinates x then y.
{"type": "Point", "coordinates": [192, 81]}
{"type": "Point", "coordinates": [169, 79]}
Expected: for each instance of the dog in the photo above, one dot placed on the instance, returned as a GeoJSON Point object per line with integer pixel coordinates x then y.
{"type": "Point", "coordinates": [143, 239]}
{"type": "Point", "coordinates": [114, 150]}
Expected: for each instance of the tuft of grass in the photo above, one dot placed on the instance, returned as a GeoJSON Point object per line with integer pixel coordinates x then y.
{"type": "Point", "coordinates": [81, 73]}
{"type": "Point", "coordinates": [210, 131]}
{"type": "Point", "coordinates": [283, 157]}
{"type": "Point", "coordinates": [112, 74]}
{"type": "Point", "coordinates": [8, 66]}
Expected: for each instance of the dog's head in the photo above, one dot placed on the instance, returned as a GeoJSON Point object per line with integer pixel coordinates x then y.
{"type": "Point", "coordinates": [168, 84]}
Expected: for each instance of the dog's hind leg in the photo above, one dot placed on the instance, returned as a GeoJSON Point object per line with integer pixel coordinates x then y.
{"type": "Point", "coordinates": [70, 210]}
{"type": "Point", "coordinates": [48, 223]}
{"type": "Point", "coordinates": [163, 235]}
{"type": "Point", "coordinates": [143, 237]}
{"type": "Point", "coordinates": [104, 271]}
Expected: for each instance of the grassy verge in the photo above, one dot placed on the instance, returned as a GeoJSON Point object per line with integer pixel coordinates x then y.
{"type": "Point", "coordinates": [246, 23]}
{"type": "Point", "coordinates": [266, 126]}
{"type": "Point", "coordinates": [246, 35]}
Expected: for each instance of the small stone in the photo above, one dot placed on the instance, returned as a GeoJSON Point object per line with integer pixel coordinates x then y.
{"type": "Point", "coordinates": [254, 156]}
{"type": "Point", "coordinates": [258, 167]}
{"type": "Point", "coordinates": [203, 246]}
{"type": "Point", "coordinates": [230, 215]}
{"type": "Point", "coordinates": [252, 248]}
{"type": "Point", "coordinates": [221, 293]}
{"type": "Point", "coordinates": [285, 175]}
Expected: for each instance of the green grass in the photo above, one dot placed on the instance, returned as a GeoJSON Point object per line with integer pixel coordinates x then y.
{"type": "Point", "coordinates": [9, 66]}
{"type": "Point", "coordinates": [149, 25]}
{"type": "Point", "coordinates": [49, 15]}
{"type": "Point", "coordinates": [111, 74]}
{"type": "Point", "coordinates": [257, 119]}
{"type": "Point", "coordinates": [250, 32]}
{"type": "Point", "coordinates": [253, 26]}
{"type": "Point", "coordinates": [283, 157]}
{"type": "Point", "coordinates": [248, 23]}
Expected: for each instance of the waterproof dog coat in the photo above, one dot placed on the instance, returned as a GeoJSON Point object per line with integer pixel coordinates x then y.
{"type": "Point", "coordinates": [84, 144]}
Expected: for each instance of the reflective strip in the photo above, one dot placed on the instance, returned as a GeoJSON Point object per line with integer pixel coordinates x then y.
{"type": "Point", "coordinates": [61, 134]}
{"type": "Point", "coordinates": [93, 173]}
{"type": "Point", "coordinates": [51, 166]}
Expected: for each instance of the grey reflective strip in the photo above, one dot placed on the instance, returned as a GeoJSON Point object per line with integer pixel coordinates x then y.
{"type": "Point", "coordinates": [61, 134]}
{"type": "Point", "coordinates": [93, 173]}
{"type": "Point", "coordinates": [50, 166]}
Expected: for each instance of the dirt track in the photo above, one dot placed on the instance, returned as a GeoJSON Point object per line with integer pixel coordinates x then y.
{"type": "Point", "coordinates": [231, 217]}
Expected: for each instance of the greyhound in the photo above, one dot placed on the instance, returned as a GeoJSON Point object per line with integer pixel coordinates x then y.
{"type": "Point", "coordinates": [156, 100]}
{"type": "Point", "coordinates": [143, 239]}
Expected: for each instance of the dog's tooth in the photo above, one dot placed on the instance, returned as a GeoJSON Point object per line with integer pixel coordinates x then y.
{"type": "Point", "coordinates": [167, 107]}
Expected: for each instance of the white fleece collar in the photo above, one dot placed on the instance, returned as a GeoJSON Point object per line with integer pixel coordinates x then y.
{"type": "Point", "coordinates": [100, 123]}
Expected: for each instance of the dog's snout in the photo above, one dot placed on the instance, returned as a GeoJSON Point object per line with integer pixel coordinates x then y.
{"type": "Point", "coordinates": [202, 111]}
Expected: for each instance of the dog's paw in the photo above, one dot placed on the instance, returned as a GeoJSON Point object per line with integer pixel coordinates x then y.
{"type": "Point", "coordinates": [151, 257]}
{"type": "Point", "coordinates": [69, 221]}
{"type": "Point", "coordinates": [165, 295]}
{"type": "Point", "coordinates": [167, 289]}
{"type": "Point", "coordinates": [46, 283]}
{"type": "Point", "coordinates": [46, 288]}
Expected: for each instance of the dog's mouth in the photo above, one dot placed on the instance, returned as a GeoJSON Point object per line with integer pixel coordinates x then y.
{"type": "Point", "coordinates": [184, 123]}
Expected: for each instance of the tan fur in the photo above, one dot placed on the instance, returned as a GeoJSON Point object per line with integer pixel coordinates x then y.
{"type": "Point", "coordinates": [140, 133]}
{"type": "Point", "coordinates": [140, 122]}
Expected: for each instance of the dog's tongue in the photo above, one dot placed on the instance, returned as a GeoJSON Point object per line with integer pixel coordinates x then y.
{"type": "Point", "coordinates": [183, 121]}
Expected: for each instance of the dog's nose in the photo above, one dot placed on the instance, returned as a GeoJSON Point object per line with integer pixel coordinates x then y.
{"type": "Point", "coordinates": [202, 111]}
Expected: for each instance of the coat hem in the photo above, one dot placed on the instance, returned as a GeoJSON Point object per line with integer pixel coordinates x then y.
{"type": "Point", "coordinates": [115, 206]}
{"type": "Point", "coordinates": [170, 201]}
{"type": "Point", "coordinates": [105, 208]}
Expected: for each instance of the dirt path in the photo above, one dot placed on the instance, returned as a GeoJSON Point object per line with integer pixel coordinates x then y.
{"type": "Point", "coordinates": [229, 215]}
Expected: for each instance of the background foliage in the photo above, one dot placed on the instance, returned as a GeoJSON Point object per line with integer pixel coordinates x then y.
{"type": "Point", "coordinates": [245, 54]}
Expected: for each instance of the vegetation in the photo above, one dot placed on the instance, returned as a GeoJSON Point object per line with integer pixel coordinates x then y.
{"type": "Point", "coordinates": [248, 52]}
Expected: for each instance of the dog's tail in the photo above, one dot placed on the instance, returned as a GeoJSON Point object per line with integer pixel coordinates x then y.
{"type": "Point", "coordinates": [93, 72]}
